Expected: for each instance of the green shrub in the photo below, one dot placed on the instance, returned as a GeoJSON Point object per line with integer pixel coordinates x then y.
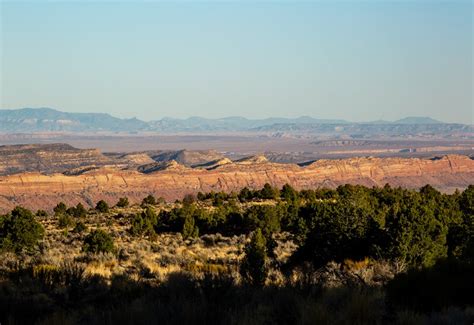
{"type": "Point", "coordinates": [268, 192]}
{"type": "Point", "coordinates": [160, 200]}
{"type": "Point", "coordinates": [138, 225]}
{"type": "Point", "coordinates": [102, 206]}
{"type": "Point", "coordinates": [41, 214]}
{"type": "Point", "coordinates": [189, 199]}
{"type": "Point", "coordinates": [245, 195]}
{"type": "Point", "coordinates": [98, 241]}
{"type": "Point", "coordinates": [78, 211]}
{"type": "Point", "coordinates": [201, 196]}
{"type": "Point", "coordinates": [461, 235]}
{"type": "Point", "coordinates": [211, 221]}
{"type": "Point", "coordinates": [254, 269]}
{"type": "Point", "coordinates": [265, 217]}
{"type": "Point", "coordinates": [189, 228]}
{"type": "Point", "coordinates": [19, 231]}
{"type": "Point", "coordinates": [80, 227]}
{"type": "Point", "coordinates": [288, 193]}
{"type": "Point", "coordinates": [414, 232]}
{"type": "Point", "coordinates": [60, 208]}
{"type": "Point", "coordinates": [122, 202]}
{"type": "Point", "coordinates": [467, 201]}
{"type": "Point", "coordinates": [149, 200]}
{"type": "Point", "coordinates": [65, 221]}
{"type": "Point", "coordinates": [144, 223]}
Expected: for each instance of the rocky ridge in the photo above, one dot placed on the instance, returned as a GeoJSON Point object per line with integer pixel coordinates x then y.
{"type": "Point", "coordinates": [173, 180]}
{"type": "Point", "coordinates": [48, 158]}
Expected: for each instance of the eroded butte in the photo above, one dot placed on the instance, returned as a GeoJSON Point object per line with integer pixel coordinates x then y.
{"type": "Point", "coordinates": [172, 180]}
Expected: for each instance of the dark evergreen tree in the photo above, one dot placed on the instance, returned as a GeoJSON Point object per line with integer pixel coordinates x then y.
{"type": "Point", "coordinates": [102, 206]}
{"type": "Point", "coordinates": [19, 231]}
{"type": "Point", "coordinates": [288, 193]}
{"type": "Point", "coordinates": [150, 199]}
{"type": "Point", "coordinates": [98, 241]}
{"type": "Point", "coordinates": [60, 208]}
{"type": "Point", "coordinates": [123, 202]}
{"type": "Point", "coordinates": [268, 192]}
{"type": "Point", "coordinates": [254, 268]}
{"type": "Point", "coordinates": [79, 211]}
{"type": "Point", "coordinates": [190, 229]}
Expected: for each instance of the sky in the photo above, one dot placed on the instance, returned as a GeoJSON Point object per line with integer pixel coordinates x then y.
{"type": "Point", "coordinates": [353, 60]}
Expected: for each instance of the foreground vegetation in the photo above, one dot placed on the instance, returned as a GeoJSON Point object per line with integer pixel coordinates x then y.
{"type": "Point", "coordinates": [349, 255]}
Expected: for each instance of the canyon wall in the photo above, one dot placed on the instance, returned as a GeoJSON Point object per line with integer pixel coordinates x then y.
{"type": "Point", "coordinates": [34, 190]}
{"type": "Point", "coordinates": [48, 158]}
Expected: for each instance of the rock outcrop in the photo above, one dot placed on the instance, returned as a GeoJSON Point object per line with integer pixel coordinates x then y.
{"type": "Point", "coordinates": [47, 158]}
{"type": "Point", "coordinates": [135, 159]}
{"type": "Point", "coordinates": [63, 158]}
{"type": "Point", "coordinates": [188, 157]}
{"type": "Point", "coordinates": [172, 165]}
{"type": "Point", "coordinates": [214, 164]}
{"type": "Point", "coordinates": [259, 159]}
{"type": "Point", "coordinates": [35, 190]}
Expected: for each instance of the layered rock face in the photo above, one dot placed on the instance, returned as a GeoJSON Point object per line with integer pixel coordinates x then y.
{"type": "Point", "coordinates": [34, 190]}
{"type": "Point", "coordinates": [63, 158]}
{"type": "Point", "coordinates": [188, 157]}
{"type": "Point", "coordinates": [47, 158]}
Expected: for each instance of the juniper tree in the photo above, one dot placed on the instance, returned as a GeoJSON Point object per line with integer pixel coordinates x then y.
{"type": "Point", "coordinates": [19, 231]}
{"type": "Point", "coordinates": [102, 206]}
{"type": "Point", "coordinates": [254, 269]}
{"type": "Point", "coordinates": [122, 202]}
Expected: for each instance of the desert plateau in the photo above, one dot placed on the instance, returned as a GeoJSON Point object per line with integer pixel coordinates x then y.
{"type": "Point", "coordinates": [236, 162]}
{"type": "Point", "coordinates": [37, 175]}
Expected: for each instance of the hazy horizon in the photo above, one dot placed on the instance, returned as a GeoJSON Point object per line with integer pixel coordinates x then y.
{"type": "Point", "coordinates": [223, 117]}
{"type": "Point", "coordinates": [356, 61]}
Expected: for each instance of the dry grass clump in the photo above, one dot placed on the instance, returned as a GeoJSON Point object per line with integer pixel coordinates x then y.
{"type": "Point", "coordinates": [452, 315]}
{"type": "Point", "coordinates": [162, 255]}
{"type": "Point", "coordinates": [203, 293]}
{"type": "Point", "coordinates": [364, 273]}
{"type": "Point", "coordinates": [167, 253]}
{"type": "Point", "coordinates": [285, 246]}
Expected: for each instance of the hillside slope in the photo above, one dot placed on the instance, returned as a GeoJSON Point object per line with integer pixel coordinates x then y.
{"type": "Point", "coordinates": [35, 190]}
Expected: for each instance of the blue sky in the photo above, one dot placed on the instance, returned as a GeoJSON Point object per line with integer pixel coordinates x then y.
{"type": "Point", "coordinates": [352, 60]}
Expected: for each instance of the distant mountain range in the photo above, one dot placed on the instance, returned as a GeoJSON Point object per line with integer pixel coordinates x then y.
{"type": "Point", "coordinates": [47, 119]}
{"type": "Point", "coordinates": [417, 120]}
{"type": "Point", "coordinates": [28, 120]}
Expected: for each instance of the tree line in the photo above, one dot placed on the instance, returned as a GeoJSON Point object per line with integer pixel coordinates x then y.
{"type": "Point", "coordinates": [349, 222]}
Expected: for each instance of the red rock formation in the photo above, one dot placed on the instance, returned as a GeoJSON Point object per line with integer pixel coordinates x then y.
{"type": "Point", "coordinates": [49, 158]}
{"type": "Point", "coordinates": [36, 191]}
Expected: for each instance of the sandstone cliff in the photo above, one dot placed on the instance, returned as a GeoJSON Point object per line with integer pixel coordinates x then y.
{"type": "Point", "coordinates": [36, 190]}
{"type": "Point", "coordinates": [47, 158]}
{"type": "Point", "coordinates": [188, 157]}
